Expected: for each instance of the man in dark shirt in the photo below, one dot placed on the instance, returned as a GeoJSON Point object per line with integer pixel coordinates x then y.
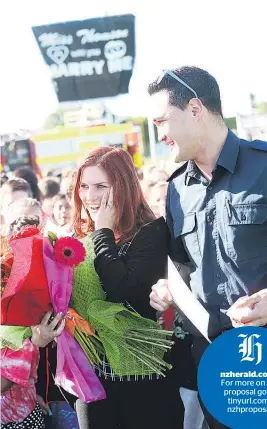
{"type": "Point", "coordinates": [216, 205]}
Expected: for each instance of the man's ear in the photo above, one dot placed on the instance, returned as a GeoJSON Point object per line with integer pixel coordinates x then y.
{"type": "Point", "coordinates": [196, 107]}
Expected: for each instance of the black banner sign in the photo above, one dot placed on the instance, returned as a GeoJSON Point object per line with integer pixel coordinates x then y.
{"type": "Point", "coordinates": [89, 59]}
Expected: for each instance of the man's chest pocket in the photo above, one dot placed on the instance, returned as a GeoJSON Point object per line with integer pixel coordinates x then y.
{"type": "Point", "coordinates": [246, 231]}
{"type": "Point", "coordinates": [186, 229]}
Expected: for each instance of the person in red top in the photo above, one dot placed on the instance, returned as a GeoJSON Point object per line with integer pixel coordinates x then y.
{"type": "Point", "coordinates": [19, 407]}
{"type": "Point", "coordinates": [18, 394]}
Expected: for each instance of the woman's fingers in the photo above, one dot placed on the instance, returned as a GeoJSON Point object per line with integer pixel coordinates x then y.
{"type": "Point", "coordinates": [46, 332]}
{"type": "Point", "coordinates": [158, 303]}
{"type": "Point", "coordinates": [110, 198]}
{"type": "Point", "coordinates": [46, 318]}
{"type": "Point", "coordinates": [60, 328]}
{"type": "Point", "coordinates": [55, 321]}
{"type": "Point", "coordinates": [104, 199]}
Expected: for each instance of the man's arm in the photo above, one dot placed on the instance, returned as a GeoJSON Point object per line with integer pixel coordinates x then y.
{"type": "Point", "coordinates": [184, 271]}
{"type": "Point", "coordinates": [160, 297]}
{"type": "Point", "coordinates": [176, 248]}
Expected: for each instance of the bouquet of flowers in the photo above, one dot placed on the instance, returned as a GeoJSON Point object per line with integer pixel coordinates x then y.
{"type": "Point", "coordinates": [133, 344]}
{"type": "Point", "coordinates": [25, 296]}
{"type": "Point", "coordinates": [36, 275]}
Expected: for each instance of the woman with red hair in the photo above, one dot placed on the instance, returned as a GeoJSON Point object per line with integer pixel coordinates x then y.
{"type": "Point", "coordinates": [130, 248]}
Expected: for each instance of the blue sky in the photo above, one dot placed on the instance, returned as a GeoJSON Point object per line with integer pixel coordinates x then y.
{"type": "Point", "coordinates": [228, 38]}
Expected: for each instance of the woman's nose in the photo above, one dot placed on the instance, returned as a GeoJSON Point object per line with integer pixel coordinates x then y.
{"type": "Point", "coordinates": [91, 195]}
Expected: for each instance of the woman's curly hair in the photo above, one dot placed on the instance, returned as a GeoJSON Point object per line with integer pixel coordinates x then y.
{"type": "Point", "coordinates": [21, 221]}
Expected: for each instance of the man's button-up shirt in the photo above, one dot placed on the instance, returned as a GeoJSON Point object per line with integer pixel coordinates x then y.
{"type": "Point", "coordinates": [221, 226]}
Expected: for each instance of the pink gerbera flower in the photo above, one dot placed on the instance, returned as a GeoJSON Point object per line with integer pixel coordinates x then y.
{"type": "Point", "coordinates": [69, 251]}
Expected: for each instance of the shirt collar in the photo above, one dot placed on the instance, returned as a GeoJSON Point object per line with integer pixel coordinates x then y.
{"type": "Point", "coordinates": [229, 153]}
{"type": "Point", "coordinates": [227, 159]}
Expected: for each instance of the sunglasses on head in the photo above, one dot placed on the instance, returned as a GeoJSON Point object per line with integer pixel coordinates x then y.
{"type": "Point", "coordinates": [170, 73]}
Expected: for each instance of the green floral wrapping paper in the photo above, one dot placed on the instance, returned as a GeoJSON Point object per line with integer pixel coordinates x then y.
{"type": "Point", "coordinates": [133, 344]}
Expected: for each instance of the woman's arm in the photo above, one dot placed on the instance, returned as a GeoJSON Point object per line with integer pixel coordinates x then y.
{"type": "Point", "coordinates": [131, 277]}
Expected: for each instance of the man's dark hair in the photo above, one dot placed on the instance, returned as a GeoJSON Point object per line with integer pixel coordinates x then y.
{"type": "Point", "coordinates": [200, 80]}
{"type": "Point", "coordinates": [49, 187]}
{"type": "Point", "coordinates": [29, 175]}
{"type": "Point", "coordinates": [3, 179]}
{"type": "Point", "coordinates": [17, 184]}
{"type": "Point", "coordinates": [21, 221]}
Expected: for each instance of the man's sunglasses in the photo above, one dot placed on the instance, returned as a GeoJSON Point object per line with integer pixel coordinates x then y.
{"type": "Point", "coordinates": [170, 73]}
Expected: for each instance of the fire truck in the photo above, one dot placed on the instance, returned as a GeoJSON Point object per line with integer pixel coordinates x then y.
{"type": "Point", "coordinates": [17, 150]}
{"type": "Point", "coordinates": [62, 147]}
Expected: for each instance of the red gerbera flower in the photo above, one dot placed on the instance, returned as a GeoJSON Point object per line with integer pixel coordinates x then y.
{"type": "Point", "coordinates": [69, 251]}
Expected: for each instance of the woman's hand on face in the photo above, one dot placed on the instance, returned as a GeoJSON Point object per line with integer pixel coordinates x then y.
{"type": "Point", "coordinates": [46, 332]}
{"type": "Point", "coordinates": [105, 217]}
